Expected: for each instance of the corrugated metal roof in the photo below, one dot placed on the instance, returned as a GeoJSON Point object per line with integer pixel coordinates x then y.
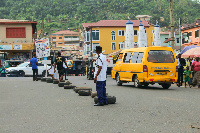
{"type": "Point", "coordinates": [66, 32]}
{"type": "Point", "coordinates": [16, 21]}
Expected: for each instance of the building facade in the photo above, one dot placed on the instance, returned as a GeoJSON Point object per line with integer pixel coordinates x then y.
{"type": "Point", "coordinates": [165, 39]}
{"type": "Point", "coordinates": [190, 33]}
{"type": "Point", "coordinates": [17, 38]}
{"type": "Point", "coordinates": [110, 34]}
{"type": "Point", "coordinates": [65, 38]}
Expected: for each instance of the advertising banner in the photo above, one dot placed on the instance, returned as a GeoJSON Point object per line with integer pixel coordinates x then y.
{"type": "Point", "coordinates": [5, 47]}
{"type": "Point", "coordinates": [17, 47]}
{"type": "Point", "coordinates": [42, 47]}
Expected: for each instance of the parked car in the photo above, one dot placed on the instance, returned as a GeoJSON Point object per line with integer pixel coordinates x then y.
{"type": "Point", "coordinates": [12, 63]}
{"type": "Point", "coordinates": [25, 69]}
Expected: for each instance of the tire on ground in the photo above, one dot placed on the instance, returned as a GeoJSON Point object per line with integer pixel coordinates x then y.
{"type": "Point", "coordinates": [43, 79]}
{"type": "Point", "coordinates": [94, 94]}
{"type": "Point", "coordinates": [39, 78]}
{"type": "Point", "coordinates": [82, 88]}
{"type": "Point", "coordinates": [61, 84]}
{"type": "Point", "coordinates": [55, 81]}
{"type": "Point", "coordinates": [49, 80]}
{"type": "Point", "coordinates": [69, 86]}
{"type": "Point", "coordinates": [110, 100]}
{"type": "Point", "coordinates": [84, 92]}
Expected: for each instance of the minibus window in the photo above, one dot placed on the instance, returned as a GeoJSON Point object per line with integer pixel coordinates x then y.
{"type": "Point", "coordinates": [160, 56]}
{"type": "Point", "coordinates": [127, 57]}
{"type": "Point", "coordinates": [137, 57]}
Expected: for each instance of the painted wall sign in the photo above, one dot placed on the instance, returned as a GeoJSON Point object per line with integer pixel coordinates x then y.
{"type": "Point", "coordinates": [17, 47]}
{"type": "Point", "coordinates": [5, 47]}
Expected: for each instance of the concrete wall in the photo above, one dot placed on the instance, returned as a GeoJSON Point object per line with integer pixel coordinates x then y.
{"type": "Point", "coordinates": [28, 28]}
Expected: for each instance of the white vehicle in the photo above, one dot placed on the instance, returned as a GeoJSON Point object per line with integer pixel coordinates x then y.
{"type": "Point", "coordinates": [25, 69]}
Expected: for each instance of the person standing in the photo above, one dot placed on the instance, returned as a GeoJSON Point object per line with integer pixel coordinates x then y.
{"type": "Point", "coordinates": [59, 62]}
{"type": "Point", "coordinates": [196, 69]}
{"type": "Point", "coordinates": [34, 63]}
{"type": "Point", "coordinates": [181, 63]}
{"type": "Point", "coordinates": [100, 77]}
{"type": "Point", "coordinates": [51, 70]}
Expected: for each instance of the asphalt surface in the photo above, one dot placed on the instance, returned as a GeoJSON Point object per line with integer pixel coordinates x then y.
{"type": "Point", "coordinates": [28, 106]}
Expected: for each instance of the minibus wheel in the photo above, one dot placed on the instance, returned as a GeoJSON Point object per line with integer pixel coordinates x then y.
{"type": "Point", "coordinates": [119, 83]}
{"type": "Point", "coordinates": [166, 86]}
{"type": "Point", "coordinates": [137, 83]}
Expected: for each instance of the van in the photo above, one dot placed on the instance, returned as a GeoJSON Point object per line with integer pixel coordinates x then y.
{"type": "Point", "coordinates": [146, 65]}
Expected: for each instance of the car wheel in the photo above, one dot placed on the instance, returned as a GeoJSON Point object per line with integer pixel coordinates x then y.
{"type": "Point", "coordinates": [137, 83]}
{"type": "Point", "coordinates": [22, 74]}
{"type": "Point", "coordinates": [166, 86]}
{"type": "Point", "coordinates": [146, 84]}
{"type": "Point", "coordinates": [119, 83]}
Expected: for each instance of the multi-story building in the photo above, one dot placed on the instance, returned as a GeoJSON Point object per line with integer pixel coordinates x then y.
{"type": "Point", "coordinates": [65, 38]}
{"type": "Point", "coordinates": [110, 34]}
{"type": "Point", "coordinates": [190, 33]}
{"type": "Point", "coordinates": [17, 38]}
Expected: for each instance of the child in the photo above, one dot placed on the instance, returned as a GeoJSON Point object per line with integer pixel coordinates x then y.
{"type": "Point", "coordinates": [187, 74]}
{"type": "Point", "coordinates": [51, 70]}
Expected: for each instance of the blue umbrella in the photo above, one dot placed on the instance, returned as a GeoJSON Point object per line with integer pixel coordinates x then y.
{"type": "Point", "coordinates": [187, 48]}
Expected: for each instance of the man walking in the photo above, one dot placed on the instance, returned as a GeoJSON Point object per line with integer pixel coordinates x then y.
{"type": "Point", "coordinates": [34, 63]}
{"type": "Point", "coordinates": [181, 62]}
{"type": "Point", "coordinates": [59, 62]}
{"type": "Point", "coordinates": [100, 77]}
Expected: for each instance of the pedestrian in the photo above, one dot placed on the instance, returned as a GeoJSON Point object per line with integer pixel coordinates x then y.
{"type": "Point", "coordinates": [34, 63]}
{"type": "Point", "coordinates": [100, 77]}
{"type": "Point", "coordinates": [196, 69]}
{"type": "Point", "coordinates": [2, 72]}
{"type": "Point", "coordinates": [187, 74]}
{"type": "Point", "coordinates": [51, 70]}
{"type": "Point", "coordinates": [59, 62]}
{"type": "Point", "coordinates": [181, 63]}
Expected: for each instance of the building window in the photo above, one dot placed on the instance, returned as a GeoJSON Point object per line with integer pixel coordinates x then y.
{"type": "Point", "coordinates": [120, 32]}
{"type": "Point", "coordinates": [112, 35]}
{"type": "Point", "coordinates": [87, 36]}
{"type": "Point", "coordinates": [121, 45]}
{"type": "Point", "coordinates": [60, 37]}
{"type": "Point", "coordinates": [54, 44]}
{"type": "Point", "coordinates": [166, 38]}
{"type": "Point", "coordinates": [88, 48]}
{"type": "Point", "coordinates": [190, 33]}
{"type": "Point", "coordinates": [196, 33]}
{"type": "Point", "coordinates": [67, 37]}
{"type": "Point", "coordinates": [135, 32]}
{"type": "Point", "coordinates": [75, 37]}
{"type": "Point", "coordinates": [177, 40]}
{"type": "Point", "coordinates": [94, 47]}
{"type": "Point", "coordinates": [95, 35]}
{"type": "Point", "coordinates": [15, 32]}
{"type": "Point", "coordinates": [113, 46]}
{"type": "Point", "coordinates": [60, 43]}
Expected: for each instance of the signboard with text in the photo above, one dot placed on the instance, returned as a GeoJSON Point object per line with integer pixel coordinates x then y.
{"type": "Point", "coordinates": [42, 47]}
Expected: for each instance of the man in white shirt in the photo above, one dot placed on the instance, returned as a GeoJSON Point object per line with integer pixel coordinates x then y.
{"type": "Point", "coordinates": [100, 77]}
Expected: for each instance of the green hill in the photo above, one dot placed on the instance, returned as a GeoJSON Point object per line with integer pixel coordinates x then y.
{"type": "Point", "coordinates": [64, 14]}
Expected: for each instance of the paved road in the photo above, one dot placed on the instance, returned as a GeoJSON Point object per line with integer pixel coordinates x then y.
{"type": "Point", "coordinates": [27, 106]}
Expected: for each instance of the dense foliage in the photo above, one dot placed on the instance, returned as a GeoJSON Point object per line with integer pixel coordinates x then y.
{"type": "Point", "coordinates": [64, 14]}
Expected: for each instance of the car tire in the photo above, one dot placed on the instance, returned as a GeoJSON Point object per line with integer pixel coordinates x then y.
{"type": "Point", "coordinates": [84, 92]}
{"type": "Point", "coordinates": [49, 80]}
{"type": "Point", "coordinates": [82, 88]}
{"type": "Point", "coordinates": [146, 84]}
{"type": "Point", "coordinates": [69, 86]}
{"type": "Point", "coordinates": [43, 79]}
{"type": "Point", "coordinates": [110, 100]}
{"type": "Point", "coordinates": [137, 83]}
{"type": "Point", "coordinates": [119, 83]}
{"type": "Point", "coordinates": [55, 81]}
{"type": "Point", "coordinates": [166, 86]}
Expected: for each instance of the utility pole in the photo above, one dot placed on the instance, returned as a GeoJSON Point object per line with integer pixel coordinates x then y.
{"type": "Point", "coordinates": [180, 33]}
{"type": "Point", "coordinates": [172, 23]}
{"type": "Point", "coordinates": [91, 52]}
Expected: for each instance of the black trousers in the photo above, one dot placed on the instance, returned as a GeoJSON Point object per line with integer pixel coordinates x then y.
{"type": "Point", "coordinates": [35, 74]}
{"type": "Point", "coordinates": [180, 76]}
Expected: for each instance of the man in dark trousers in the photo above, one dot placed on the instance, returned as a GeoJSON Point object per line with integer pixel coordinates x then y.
{"type": "Point", "coordinates": [100, 77]}
{"type": "Point", "coordinates": [59, 62]}
{"type": "Point", "coordinates": [181, 62]}
{"type": "Point", "coordinates": [34, 63]}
